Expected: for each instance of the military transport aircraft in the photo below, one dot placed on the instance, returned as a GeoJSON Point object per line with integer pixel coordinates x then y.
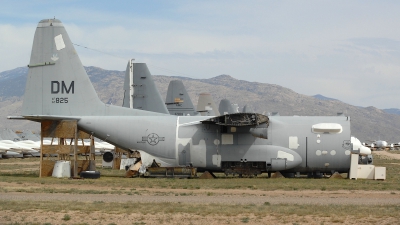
{"type": "Point", "coordinates": [58, 88]}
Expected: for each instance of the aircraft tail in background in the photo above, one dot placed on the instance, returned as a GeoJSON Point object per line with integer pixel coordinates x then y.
{"type": "Point", "coordinates": [226, 107]}
{"type": "Point", "coordinates": [247, 109]}
{"type": "Point", "coordinates": [178, 100]}
{"type": "Point", "coordinates": [140, 92]}
{"type": "Point", "coordinates": [206, 105]}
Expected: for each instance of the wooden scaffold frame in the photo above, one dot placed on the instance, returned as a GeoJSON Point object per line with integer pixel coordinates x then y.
{"type": "Point", "coordinates": [63, 130]}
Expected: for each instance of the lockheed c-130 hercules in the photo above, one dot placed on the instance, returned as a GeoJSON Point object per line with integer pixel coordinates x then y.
{"type": "Point", "coordinates": [58, 88]}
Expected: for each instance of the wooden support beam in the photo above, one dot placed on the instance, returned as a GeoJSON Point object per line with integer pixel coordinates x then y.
{"type": "Point", "coordinates": [63, 130]}
{"type": "Point", "coordinates": [92, 157]}
{"type": "Point", "coordinates": [59, 129]}
{"type": "Point", "coordinates": [41, 156]}
{"type": "Point", "coordinates": [46, 168]}
{"type": "Point", "coordinates": [75, 167]}
{"type": "Point", "coordinates": [118, 152]}
{"type": "Point", "coordinates": [56, 149]}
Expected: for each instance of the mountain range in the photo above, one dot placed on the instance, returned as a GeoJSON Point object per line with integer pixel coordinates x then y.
{"type": "Point", "coordinates": [368, 123]}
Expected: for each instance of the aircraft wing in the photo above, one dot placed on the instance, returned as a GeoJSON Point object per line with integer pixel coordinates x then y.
{"type": "Point", "coordinates": [238, 119]}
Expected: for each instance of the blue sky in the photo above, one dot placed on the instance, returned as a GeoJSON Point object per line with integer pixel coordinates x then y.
{"type": "Point", "coordinates": [347, 50]}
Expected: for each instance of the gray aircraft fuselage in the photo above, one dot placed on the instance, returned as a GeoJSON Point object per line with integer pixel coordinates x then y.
{"type": "Point", "coordinates": [183, 141]}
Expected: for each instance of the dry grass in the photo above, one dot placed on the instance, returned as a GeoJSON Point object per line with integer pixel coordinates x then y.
{"type": "Point", "coordinates": [14, 171]}
{"type": "Point", "coordinates": [176, 213]}
{"type": "Point", "coordinates": [357, 211]}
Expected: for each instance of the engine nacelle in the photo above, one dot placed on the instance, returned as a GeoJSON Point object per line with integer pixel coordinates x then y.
{"type": "Point", "coordinates": [259, 132]}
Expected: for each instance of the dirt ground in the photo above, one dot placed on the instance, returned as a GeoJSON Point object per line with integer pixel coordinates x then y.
{"type": "Point", "coordinates": [387, 154]}
{"type": "Point", "coordinates": [234, 198]}
{"type": "Point", "coordinates": [78, 217]}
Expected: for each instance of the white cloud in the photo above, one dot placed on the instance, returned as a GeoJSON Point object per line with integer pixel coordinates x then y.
{"type": "Point", "coordinates": [15, 45]}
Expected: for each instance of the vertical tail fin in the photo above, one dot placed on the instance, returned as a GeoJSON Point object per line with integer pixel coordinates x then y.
{"type": "Point", "coordinates": [226, 107]}
{"type": "Point", "coordinates": [206, 105]}
{"type": "Point", "coordinates": [28, 135]}
{"type": "Point", "coordinates": [145, 95]}
{"type": "Point", "coordinates": [8, 134]}
{"type": "Point", "coordinates": [178, 101]}
{"type": "Point", "coordinates": [247, 109]}
{"type": "Point", "coordinates": [57, 83]}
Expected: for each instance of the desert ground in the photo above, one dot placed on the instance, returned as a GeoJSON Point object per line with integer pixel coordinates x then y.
{"type": "Point", "coordinates": [27, 199]}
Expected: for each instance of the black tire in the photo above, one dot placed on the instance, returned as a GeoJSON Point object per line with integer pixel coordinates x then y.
{"type": "Point", "coordinates": [288, 175]}
{"type": "Point", "coordinates": [90, 174]}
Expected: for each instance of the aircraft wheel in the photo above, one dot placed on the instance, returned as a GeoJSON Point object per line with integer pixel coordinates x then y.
{"type": "Point", "coordinates": [288, 175]}
{"type": "Point", "coordinates": [317, 175]}
{"type": "Point", "coordinates": [90, 174]}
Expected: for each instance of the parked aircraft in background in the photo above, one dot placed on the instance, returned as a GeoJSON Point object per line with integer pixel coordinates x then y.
{"type": "Point", "coordinates": [58, 88]}
{"type": "Point", "coordinates": [22, 140]}
{"type": "Point", "coordinates": [27, 135]}
{"type": "Point", "coordinates": [139, 89]}
{"type": "Point", "coordinates": [379, 145]}
{"type": "Point", "coordinates": [22, 144]}
{"type": "Point", "coordinates": [12, 145]}
{"type": "Point", "coordinates": [8, 134]}
{"type": "Point", "coordinates": [226, 107]}
{"type": "Point", "coordinates": [206, 105]}
{"type": "Point", "coordinates": [247, 109]}
{"type": "Point", "coordinates": [9, 150]}
{"type": "Point", "coordinates": [140, 92]}
{"type": "Point", "coordinates": [10, 154]}
{"type": "Point", "coordinates": [178, 101]}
